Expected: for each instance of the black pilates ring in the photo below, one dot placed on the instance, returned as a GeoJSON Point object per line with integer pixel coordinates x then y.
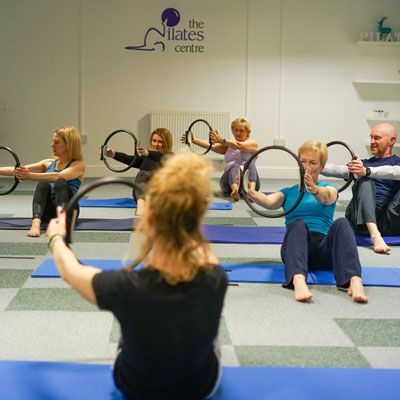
{"type": "Point", "coordinates": [71, 207]}
{"type": "Point", "coordinates": [209, 137]}
{"type": "Point", "coordinates": [351, 177]}
{"type": "Point", "coordinates": [301, 186]}
{"type": "Point", "coordinates": [17, 164]}
{"type": "Point", "coordinates": [103, 149]}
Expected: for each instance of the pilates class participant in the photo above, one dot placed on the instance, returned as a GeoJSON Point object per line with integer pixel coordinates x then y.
{"type": "Point", "coordinates": [59, 177]}
{"type": "Point", "coordinates": [374, 209]}
{"type": "Point", "coordinates": [237, 151]}
{"type": "Point", "coordinates": [147, 161]}
{"type": "Point", "coordinates": [313, 241]}
{"type": "Point", "coordinates": [169, 310]}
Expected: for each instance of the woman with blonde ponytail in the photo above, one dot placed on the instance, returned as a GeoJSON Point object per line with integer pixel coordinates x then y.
{"type": "Point", "coordinates": [169, 309]}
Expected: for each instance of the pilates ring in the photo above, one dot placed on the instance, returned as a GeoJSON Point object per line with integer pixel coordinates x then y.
{"type": "Point", "coordinates": [17, 164]}
{"type": "Point", "coordinates": [188, 132]}
{"type": "Point", "coordinates": [351, 177]}
{"type": "Point", "coordinates": [103, 150]}
{"type": "Point", "coordinates": [71, 206]}
{"type": "Point", "coordinates": [301, 186]}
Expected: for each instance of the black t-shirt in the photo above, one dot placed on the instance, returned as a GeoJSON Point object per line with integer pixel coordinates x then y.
{"type": "Point", "coordinates": [385, 188]}
{"type": "Point", "coordinates": [167, 331]}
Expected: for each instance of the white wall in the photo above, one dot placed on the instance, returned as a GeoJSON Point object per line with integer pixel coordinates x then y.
{"type": "Point", "coordinates": [39, 73]}
{"type": "Point", "coordinates": [286, 64]}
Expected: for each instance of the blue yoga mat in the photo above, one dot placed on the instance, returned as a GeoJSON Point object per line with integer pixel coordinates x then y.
{"type": "Point", "coordinates": [267, 235]}
{"type": "Point", "coordinates": [127, 202]}
{"type": "Point", "coordinates": [82, 224]}
{"type": "Point", "coordinates": [214, 233]}
{"type": "Point", "coordinates": [244, 234]}
{"type": "Point", "coordinates": [255, 273]}
{"type": "Point", "coordinates": [38, 380]}
{"type": "Point", "coordinates": [122, 202]}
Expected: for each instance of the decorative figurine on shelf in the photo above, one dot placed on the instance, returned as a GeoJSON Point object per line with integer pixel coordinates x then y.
{"type": "Point", "coordinates": [383, 30]}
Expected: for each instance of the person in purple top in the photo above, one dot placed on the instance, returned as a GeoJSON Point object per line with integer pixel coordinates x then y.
{"type": "Point", "coordinates": [374, 209]}
{"type": "Point", "coordinates": [59, 177]}
{"type": "Point", "coordinates": [237, 151]}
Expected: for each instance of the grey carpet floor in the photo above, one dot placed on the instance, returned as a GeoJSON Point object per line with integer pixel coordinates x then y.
{"type": "Point", "coordinates": [262, 324]}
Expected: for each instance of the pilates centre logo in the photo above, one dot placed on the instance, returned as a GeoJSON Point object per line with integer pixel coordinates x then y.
{"type": "Point", "coordinates": [186, 38]}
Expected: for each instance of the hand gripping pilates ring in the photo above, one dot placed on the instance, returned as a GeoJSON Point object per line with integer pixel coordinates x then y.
{"type": "Point", "coordinates": [301, 186]}
{"type": "Point", "coordinates": [187, 133]}
{"type": "Point", "coordinates": [17, 164]}
{"type": "Point", "coordinates": [351, 177]}
{"type": "Point", "coordinates": [103, 150]}
{"type": "Point", "coordinates": [71, 206]}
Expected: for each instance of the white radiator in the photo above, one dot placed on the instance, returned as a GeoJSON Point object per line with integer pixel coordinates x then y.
{"type": "Point", "coordinates": [178, 122]}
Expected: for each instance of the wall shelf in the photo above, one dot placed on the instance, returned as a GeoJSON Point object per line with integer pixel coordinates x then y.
{"type": "Point", "coordinates": [376, 82]}
{"type": "Point", "coordinates": [378, 48]}
{"type": "Point", "coordinates": [376, 43]}
{"type": "Point", "coordinates": [379, 120]}
{"type": "Point", "coordinates": [378, 90]}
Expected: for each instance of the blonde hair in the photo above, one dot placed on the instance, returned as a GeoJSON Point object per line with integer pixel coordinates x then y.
{"type": "Point", "coordinates": [241, 121]}
{"type": "Point", "coordinates": [166, 136]}
{"type": "Point", "coordinates": [72, 138]}
{"type": "Point", "coordinates": [177, 198]}
{"type": "Point", "coordinates": [316, 147]}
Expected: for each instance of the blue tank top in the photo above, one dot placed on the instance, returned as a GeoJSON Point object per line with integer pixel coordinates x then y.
{"type": "Point", "coordinates": [317, 216]}
{"type": "Point", "coordinates": [74, 184]}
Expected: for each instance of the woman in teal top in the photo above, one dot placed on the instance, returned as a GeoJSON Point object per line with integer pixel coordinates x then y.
{"type": "Point", "coordinates": [313, 240]}
{"type": "Point", "coordinates": [60, 177]}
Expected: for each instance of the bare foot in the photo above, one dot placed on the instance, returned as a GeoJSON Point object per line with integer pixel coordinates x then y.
{"type": "Point", "coordinates": [235, 192]}
{"type": "Point", "coordinates": [235, 195]}
{"type": "Point", "coordinates": [356, 290]}
{"type": "Point", "coordinates": [301, 290]}
{"type": "Point", "coordinates": [140, 210]}
{"type": "Point", "coordinates": [379, 244]}
{"type": "Point", "coordinates": [35, 228]}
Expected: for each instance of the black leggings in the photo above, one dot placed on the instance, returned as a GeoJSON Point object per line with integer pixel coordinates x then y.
{"type": "Point", "coordinates": [142, 179]}
{"type": "Point", "coordinates": [46, 201]}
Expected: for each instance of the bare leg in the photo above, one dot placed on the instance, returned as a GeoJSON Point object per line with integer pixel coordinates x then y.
{"type": "Point", "coordinates": [356, 290]}
{"type": "Point", "coordinates": [35, 228]}
{"type": "Point", "coordinates": [379, 244]}
{"type": "Point", "coordinates": [140, 207]}
{"type": "Point", "coordinates": [235, 192]}
{"type": "Point", "coordinates": [301, 290]}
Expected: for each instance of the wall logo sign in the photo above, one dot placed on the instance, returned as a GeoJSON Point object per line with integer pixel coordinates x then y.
{"type": "Point", "coordinates": [173, 35]}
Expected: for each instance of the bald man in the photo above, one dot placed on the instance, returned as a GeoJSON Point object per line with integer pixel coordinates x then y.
{"type": "Point", "coordinates": [374, 209]}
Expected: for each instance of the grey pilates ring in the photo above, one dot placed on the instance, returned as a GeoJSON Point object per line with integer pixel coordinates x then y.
{"type": "Point", "coordinates": [301, 186]}
{"type": "Point", "coordinates": [351, 177]}
{"type": "Point", "coordinates": [188, 130]}
{"type": "Point", "coordinates": [17, 164]}
{"type": "Point", "coordinates": [103, 150]}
